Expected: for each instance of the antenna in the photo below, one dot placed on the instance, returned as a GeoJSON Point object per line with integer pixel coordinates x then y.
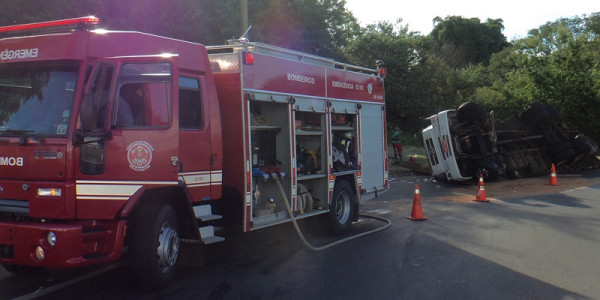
{"type": "Point", "coordinates": [242, 39]}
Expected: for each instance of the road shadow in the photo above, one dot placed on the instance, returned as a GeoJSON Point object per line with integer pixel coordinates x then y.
{"type": "Point", "coordinates": [559, 199]}
{"type": "Point", "coordinates": [436, 270]}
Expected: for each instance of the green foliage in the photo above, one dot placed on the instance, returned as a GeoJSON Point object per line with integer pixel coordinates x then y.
{"type": "Point", "coordinates": [427, 74]}
{"type": "Point", "coordinates": [558, 64]}
{"type": "Point", "coordinates": [319, 27]}
{"type": "Point", "coordinates": [459, 41]}
{"type": "Point", "coordinates": [401, 51]}
{"type": "Point", "coordinates": [462, 59]}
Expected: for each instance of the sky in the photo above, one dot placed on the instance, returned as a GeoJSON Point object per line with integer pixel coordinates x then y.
{"type": "Point", "coordinates": [519, 16]}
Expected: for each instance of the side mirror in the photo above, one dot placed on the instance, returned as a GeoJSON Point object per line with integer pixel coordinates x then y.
{"type": "Point", "coordinates": [86, 115]}
{"type": "Point", "coordinates": [92, 117]}
{"type": "Point", "coordinates": [77, 138]}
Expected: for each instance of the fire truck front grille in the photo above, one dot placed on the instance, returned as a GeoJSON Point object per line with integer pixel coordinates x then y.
{"type": "Point", "coordinates": [18, 207]}
{"type": "Point", "coordinates": [7, 251]}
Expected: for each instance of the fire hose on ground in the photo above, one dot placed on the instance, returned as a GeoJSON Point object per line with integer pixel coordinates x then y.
{"type": "Point", "coordinates": [327, 246]}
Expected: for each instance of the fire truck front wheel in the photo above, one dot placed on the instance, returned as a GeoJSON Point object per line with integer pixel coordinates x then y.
{"type": "Point", "coordinates": [154, 246]}
{"type": "Point", "coordinates": [342, 207]}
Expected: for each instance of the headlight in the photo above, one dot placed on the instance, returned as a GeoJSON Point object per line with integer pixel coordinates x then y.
{"type": "Point", "coordinates": [51, 238]}
{"type": "Point", "coordinates": [39, 253]}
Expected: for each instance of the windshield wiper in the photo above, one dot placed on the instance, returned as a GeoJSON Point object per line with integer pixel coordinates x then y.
{"type": "Point", "coordinates": [14, 131]}
{"type": "Point", "coordinates": [37, 138]}
{"type": "Point", "coordinates": [23, 134]}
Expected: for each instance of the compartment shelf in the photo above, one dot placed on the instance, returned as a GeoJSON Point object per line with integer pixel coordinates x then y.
{"type": "Point", "coordinates": [307, 132]}
{"type": "Point", "coordinates": [265, 127]}
{"type": "Point", "coordinates": [346, 172]}
{"type": "Point", "coordinates": [342, 128]}
{"type": "Point", "coordinates": [312, 176]}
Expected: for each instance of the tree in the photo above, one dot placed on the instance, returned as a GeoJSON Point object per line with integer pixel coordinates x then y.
{"type": "Point", "coordinates": [320, 27]}
{"type": "Point", "coordinates": [461, 60]}
{"type": "Point", "coordinates": [407, 102]}
{"type": "Point", "coordinates": [558, 63]}
{"type": "Point", "coordinates": [459, 41]}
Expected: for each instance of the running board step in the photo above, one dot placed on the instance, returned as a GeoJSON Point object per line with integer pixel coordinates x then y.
{"type": "Point", "coordinates": [207, 233]}
{"type": "Point", "coordinates": [204, 213]}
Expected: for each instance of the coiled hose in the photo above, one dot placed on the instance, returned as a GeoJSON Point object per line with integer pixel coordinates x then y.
{"type": "Point", "coordinates": [327, 246]}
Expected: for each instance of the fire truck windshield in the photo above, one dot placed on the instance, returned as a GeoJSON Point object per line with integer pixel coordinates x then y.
{"type": "Point", "coordinates": [36, 99]}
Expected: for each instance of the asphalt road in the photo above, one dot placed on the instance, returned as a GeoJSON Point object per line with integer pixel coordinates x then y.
{"type": "Point", "coordinates": [539, 244]}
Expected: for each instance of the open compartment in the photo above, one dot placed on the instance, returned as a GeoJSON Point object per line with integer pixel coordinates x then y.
{"type": "Point", "coordinates": [344, 150]}
{"type": "Point", "coordinates": [270, 159]}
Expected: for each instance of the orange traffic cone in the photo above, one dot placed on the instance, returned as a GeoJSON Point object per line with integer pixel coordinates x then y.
{"type": "Point", "coordinates": [480, 196]}
{"type": "Point", "coordinates": [417, 210]}
{"type": "Point", "coordinates": [553, 179]}
{"type": "Point", "coordinates": [480, 183]}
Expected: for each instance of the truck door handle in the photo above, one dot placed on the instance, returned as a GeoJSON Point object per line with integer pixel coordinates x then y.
{"type": "Point", "coordinates": [176, 162]}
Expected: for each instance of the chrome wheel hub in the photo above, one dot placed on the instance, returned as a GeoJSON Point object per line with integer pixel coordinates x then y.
{"type": "Point", "coordinates": [168, 247]}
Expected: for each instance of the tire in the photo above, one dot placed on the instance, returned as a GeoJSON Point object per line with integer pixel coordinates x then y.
{"type": "Point", "coordinates": [154, 246]}
{"type": "Point", "coordinates": [487, 168]}
{"type": "Point", "coordinates": [582, 145]}
{"type": "Point", "coordinates": [562, 157]}
{"type": "Point", "coordinates": [472, 112]}
{"type": "Point", "coordinates": [550, 137]}
{"type": "Point", "coordinates": [534, 109]}
{"type": "Point", "coordinates": [343, 207]}
{"type": "Point", "coordinates": [535, 115]}
{"type": "Point", "coordinates": [555, 150]}
{"type": "Point", "coordinates": [537, 119]}
{"type": "Point", "coordinates": [553, 113]}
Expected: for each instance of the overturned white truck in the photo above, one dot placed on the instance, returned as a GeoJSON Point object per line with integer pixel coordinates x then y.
{"type": "Point", "coordinates": [467, 142]}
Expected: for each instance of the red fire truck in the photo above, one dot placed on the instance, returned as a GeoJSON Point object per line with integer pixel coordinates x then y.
{"type": "Point", "coordinates": [115, 142]}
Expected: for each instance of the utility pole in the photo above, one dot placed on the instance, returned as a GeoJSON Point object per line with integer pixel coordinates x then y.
{"type": "Point", "coordinates": [243, 16]}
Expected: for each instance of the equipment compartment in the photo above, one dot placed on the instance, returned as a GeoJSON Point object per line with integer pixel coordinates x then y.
{"type": "Point", "coordinates": [270, 159]}
{"type": "Point", "coordinates": [310, 141]}
{"type": "Point", "coordinates": [343, 141]}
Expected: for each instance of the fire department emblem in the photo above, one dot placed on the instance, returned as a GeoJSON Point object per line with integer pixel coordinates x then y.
{"type": "Point", "coordinates": [370, 88]}
{"type": "Point", "coordinates": [139, 155]}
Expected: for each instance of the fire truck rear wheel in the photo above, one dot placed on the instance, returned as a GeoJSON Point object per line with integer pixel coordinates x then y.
{"type": "Point", "coordinates": [154, 247]}
{"type": "Point", "coordinates": [342, 207]}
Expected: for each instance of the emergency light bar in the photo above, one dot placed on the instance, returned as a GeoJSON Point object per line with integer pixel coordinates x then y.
{"type": "Point", "coordinates": [58, 25]}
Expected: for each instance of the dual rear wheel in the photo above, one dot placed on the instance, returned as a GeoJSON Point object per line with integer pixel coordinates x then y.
{"type": "Point", "coordinates": [343, 207]}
